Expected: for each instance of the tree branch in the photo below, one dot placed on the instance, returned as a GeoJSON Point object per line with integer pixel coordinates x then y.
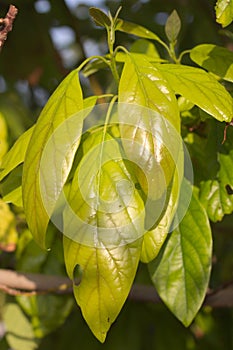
{"type": "Point", "coordinates": [18, 283]}
{"type": "Point", "coordinates": [6, 24]}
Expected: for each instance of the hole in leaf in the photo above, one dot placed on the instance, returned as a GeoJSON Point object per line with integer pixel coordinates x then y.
{"type": "Point", "coordinates": [229, 189]}
{"type": "Point", "coordinates": [77, 274]}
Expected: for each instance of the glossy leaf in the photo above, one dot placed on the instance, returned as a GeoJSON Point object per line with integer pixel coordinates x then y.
{"type": "Point", "coordinates": [173, 26]}
{"type": "Point", "coordinates": [224, 12]}
{"type": "Point", "coordinates": [152, 143]}
{"type": "Point", "coordinates": [200, 88]}
{"type": "Point", "coordinates": [53, 147]}
{"type": "Point", "coordinates": [181, 271]}
{"type": "Point", "coordinates": [102, 231]}
{"type": "Point", "coordinates": [142, 83]}
{"type": "Point", "coordinates": [215, 59]}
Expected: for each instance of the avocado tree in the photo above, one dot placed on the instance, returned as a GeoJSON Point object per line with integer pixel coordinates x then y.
{"type": "Point", "coordinates": [117, 194]}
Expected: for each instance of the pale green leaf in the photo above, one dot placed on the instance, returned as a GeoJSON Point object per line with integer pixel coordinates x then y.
{"type": "Point", "coordinates": [106, 278]}
{"type": "Point", "coordinates": [215, 59]}
{"type": "Point", "coordinates": [135, 29]}
{"type": "Point", "coordinates": [145, 47]}
{"type": "Point", "coordinates": [3, 137]}
{"type": "Point", "coordinates": [149, 139]}
{"type": "Point", "coordinates": [154, 239]}
{"type": "Point", "coordinates": [173, 26]}
{"type": "Point", "coordinates": [19, 332]}
{"type": "Point", "coordinates": [201, 88]}
{"type": "Point", "coordinates": [50, 154]}
{"type": "Point", "coordinates": [16, 154]}
{"type": "Point", "coordinates": [102, 230]}
{"type": "Point", "coordinates": [181, 271]}
{"type": "Point", "coordinates": [224, 12]}
{"type": "Point", "coordinates": [142, 83]}
{"type": "Point", "coordinates": [14, 197]}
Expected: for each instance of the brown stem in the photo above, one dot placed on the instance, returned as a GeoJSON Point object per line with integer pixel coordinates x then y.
{"type": "Point", "coordinates": [7, 23]}
{"type": "Point", "coordinates": [18, 283]}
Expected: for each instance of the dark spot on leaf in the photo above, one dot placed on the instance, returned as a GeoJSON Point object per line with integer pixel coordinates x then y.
{"type": "Point", "coordinates": [137, 186]}
{"type": "Point", "coordinates": [229, 189]}
{"type": "Point", "coordinates": [108, 319]}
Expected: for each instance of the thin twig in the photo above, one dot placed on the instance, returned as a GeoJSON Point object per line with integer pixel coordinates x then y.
{"type": "Point", "coordinates": [7, 23]}
{"type": "Point", "coordinates": [19, 283]}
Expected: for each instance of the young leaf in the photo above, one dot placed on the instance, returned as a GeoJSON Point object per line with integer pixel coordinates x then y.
{"type": "Point", "coordinates": [58, 155]}
{"type": "Point", "coordinates": [99, 17]}
{"type": "Point", "coordinates": [102, 230]}
{"type": "Point", "coordinates": [200, 88]}
{"type": "Point", "coordinates": [135, 29]}
{"type": "Point", "coordinates": [173, 26]}
{"type": "Point", "coordinates": [215, 59]}
{"type": "Point", "coordinates": [16, 154]}
{"type": "Point", "coordinates": [181, 271]}
{"type": "Point", "coordinates": [224, 12]}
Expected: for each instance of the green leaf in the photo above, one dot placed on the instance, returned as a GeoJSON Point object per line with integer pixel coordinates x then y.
{"type": "Point", "coordinates": [215, 59]}
{"type": "Point", "coordinates": [215, 180]}
{"type": "Point", "coordinates": [107, 277]}
{"type": "Point", "coordinates": [102, 230]}
{"type": "Point", "coordinates": [99, 17]}
{"type": "Point", "coordinates": [11, 188]}
{"type": "Point", "coordinates": [154, 239]}
{"type": "Point", "coordinates": [135, 29]}
{"type": "Point", "coordinates": [216, 195]}
{"type": "Point", "coordinates": [46, 312]}
{"type": "Point", "coordinates": [8, 233]}
{"type": "Point", "coordinates": [173, 26]}
{"type": "Point", "coordinates": [16, 154]}
{"type": "Point", "coordinates": [146, 134]}
{"type": "Point", "coordinates": [145, 47]}
{"type": "Point", "coordinates": [51, 152]}
{"type": "Point", "coordinates": [181, 271]}
{"type": "Point", "coordinates": [224, 12]}
{"type": "Point", "coordinates": [201, 88]}
{"type": "Point", "coordinates": [3, 136]}
{"type": "Point", "coordinates": [142, 83]}
{"type": "Point", "coordinates": [19, 331]}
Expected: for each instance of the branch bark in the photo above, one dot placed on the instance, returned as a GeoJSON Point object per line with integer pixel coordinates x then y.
{"type": "Point", "coordinates": [18, 283]}
{"type": "Point", "coordinates": [6, 24]}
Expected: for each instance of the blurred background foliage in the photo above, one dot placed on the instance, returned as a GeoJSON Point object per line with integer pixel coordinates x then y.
{"type": "Point", "coordinates": [49, 38]}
